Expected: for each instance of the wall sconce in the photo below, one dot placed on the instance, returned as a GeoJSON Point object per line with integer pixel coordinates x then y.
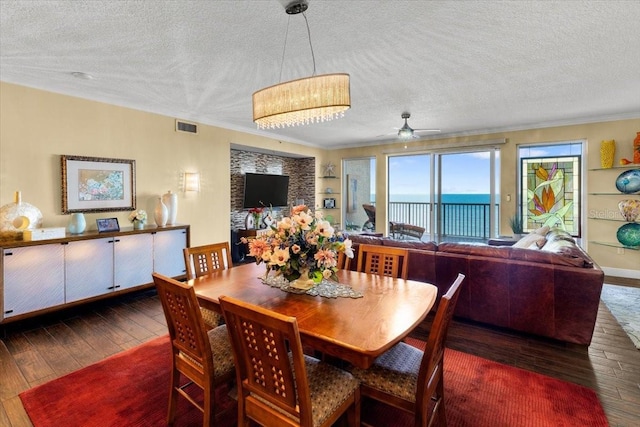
{"type": "Point", "coordinates": [191, 181]}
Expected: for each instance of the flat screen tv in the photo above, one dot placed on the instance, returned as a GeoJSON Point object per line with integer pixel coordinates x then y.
{"type": "Point", "coordinates": [265, 190]}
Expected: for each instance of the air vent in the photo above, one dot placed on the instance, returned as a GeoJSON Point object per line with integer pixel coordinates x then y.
{"type": "Point", "coordinates": [182, 126]}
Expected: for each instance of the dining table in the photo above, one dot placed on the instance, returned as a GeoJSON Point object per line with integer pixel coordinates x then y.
{"type": "Point", "coordinates": [355, 330]}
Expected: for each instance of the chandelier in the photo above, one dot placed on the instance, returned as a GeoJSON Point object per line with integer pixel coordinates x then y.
{"type": "Point", "coordinates": [303, 101]}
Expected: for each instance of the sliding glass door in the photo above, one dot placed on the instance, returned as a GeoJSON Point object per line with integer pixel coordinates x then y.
{"type": "Point", "coordinates": [452, 195]}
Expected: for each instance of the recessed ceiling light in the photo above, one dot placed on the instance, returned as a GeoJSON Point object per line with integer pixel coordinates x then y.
{"type": "Point", "coordinates": [81, 75]}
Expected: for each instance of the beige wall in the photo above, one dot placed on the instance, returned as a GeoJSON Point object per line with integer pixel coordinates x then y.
{"type": "Point", "coordinates": [36, 127]}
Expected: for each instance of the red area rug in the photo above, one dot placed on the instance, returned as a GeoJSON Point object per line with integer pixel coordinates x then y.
{"type": "Point", "coordinates": [132, 388]}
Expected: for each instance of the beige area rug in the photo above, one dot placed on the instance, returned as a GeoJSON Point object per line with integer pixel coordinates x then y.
{"type": "Point", "coordinates": [624, 304]}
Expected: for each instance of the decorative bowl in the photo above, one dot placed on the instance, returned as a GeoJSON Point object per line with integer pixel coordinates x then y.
{"type": "Point", "coordinates": [630, 209]}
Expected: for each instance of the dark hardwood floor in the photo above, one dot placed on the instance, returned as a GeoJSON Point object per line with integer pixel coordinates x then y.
{"type": "Point", "coordinates": [36, 351]}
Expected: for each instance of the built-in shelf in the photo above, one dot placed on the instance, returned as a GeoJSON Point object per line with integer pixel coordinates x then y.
{"type": "Point", "coordinates": [629, 166]}
{"type": "Point", "coordinates": [328, 177]}
{"type": "Point", "coordinates": [333, 192]}
{"type": "Point", "coordinates": [612, 194]}
{"type": "Point", "coordinates": [616, 245]}
{"type": "Point", "coordinates": [610, 219]}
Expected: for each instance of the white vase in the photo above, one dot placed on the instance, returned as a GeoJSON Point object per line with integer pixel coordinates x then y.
{"type": "Point", "coordinates": [249, 222]}
{"type": "Point", "coordinates": [19, 216]}
{"type": "Point", "coordinates": [77, 223]}
{"type": "Point", "coordinates": [161, 213]}
{"type": "Point", "coordinates": [171, 202]}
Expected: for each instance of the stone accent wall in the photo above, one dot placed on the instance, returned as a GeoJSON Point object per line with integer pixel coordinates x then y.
{"type": "Point", "coordinates": [302, 173]}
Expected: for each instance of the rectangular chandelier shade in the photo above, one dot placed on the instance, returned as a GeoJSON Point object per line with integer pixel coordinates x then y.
{"type": "Point", "coordinates": [297, 102]}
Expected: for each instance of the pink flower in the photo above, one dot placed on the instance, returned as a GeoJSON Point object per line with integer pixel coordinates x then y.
{"type": "Point", "coordinates": [257, 247]}
{"type": "Point", "coordinates": [297, 209]}
{"type": "Point", "coordinates": [295, 249]}
{"type": "Point", "coordinates": [326, 258]}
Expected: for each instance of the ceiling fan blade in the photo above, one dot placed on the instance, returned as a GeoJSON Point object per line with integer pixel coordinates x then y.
{"type": "Point", "coordinates": [426, 130]}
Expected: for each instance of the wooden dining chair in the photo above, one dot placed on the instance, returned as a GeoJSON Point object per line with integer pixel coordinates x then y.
{"type": "Point", "coordinates": [202, 260]}
{"type": "Point", "coordinates": [277, 384]}
{"type": "Point", "coordinates": [383, 260]}
{"type": "Point", "coordinates": [410, 379]}
{"type": "Point", "coordinates": [204, 357]}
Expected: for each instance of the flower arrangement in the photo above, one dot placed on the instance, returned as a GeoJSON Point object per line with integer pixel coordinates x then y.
{"type": "Point", "coordinates": [256, 212]}
{"type": "Point", "coordinates": [303, 244]}
{"type": "Point", "coordinates": [139, 215]}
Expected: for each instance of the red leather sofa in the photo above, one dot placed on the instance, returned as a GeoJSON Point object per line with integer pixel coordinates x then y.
{"type": "Point", "coordinates": [552, 293]}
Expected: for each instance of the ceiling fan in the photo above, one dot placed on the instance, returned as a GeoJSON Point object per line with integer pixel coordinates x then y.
{"type": "Point", "coordinates": [406, 132]}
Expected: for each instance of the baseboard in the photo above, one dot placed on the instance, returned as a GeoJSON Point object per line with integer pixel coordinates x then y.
{"type": "Point", "coordinates": [622, 281]}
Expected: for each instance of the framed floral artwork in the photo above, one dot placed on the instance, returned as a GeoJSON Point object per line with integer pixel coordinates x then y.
{"type": "Point", "coordinates": [95, 184]}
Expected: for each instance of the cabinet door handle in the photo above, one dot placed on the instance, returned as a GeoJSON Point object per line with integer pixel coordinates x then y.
{"type": "Point", "coordinates": [8, 312]}
{"type": "Point", "coordinates": [8, 253]}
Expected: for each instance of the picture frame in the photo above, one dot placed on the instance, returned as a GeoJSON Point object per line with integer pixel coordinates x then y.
{"type": "Point", "coordinates": [329, 203]}
{"type": "Point", "coordinates": [96, 184]}
{"type": "Point", "coordinates": [107, 224]}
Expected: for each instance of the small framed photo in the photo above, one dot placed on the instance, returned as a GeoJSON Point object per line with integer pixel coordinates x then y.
{"type": "Point", "coordinates": [107, 224]}
{"type": "Point", "coordinates": [329, 203]}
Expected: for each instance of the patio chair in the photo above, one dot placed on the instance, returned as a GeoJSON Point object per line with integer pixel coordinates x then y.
{"type": "Point", "coordinates": [370, 224]}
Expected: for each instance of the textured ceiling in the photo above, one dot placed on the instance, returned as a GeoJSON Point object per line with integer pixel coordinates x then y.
{"type": "Point", "coordinates": [460, 66]}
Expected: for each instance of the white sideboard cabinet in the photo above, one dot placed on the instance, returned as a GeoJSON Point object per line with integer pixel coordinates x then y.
{"type": "Point", "coordinates": [47, 275]}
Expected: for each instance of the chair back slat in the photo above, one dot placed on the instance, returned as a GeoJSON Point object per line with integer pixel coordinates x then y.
{"type": "Point", "coordinates": [269, 359]}
{"type": "Point", "coordinates": [383, 260]}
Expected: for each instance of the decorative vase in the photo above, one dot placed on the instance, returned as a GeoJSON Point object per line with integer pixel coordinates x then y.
{"type": "Point", "coordinates": [18, 216]}
{"type": "Point", "coordinates": [636, 149]}
{"type": "Point", "coordinates": [303, 282]}
{"type": "Point", "coordinates": [248, 222]}
{"type": "Point", "coordinates": [630, 209]}
{"type": "Point", "coordinates": [161, 213]}
{"type": "Point", "coordinates": [171, 202]}
{"type": "Point", "coordinates": [138, 225]}
{"type": "Point", "coordinates": [629, 234]}
{"type": "Point", "coordinates": [77, 223]}
{"type": "Point", "coordinates": [607, 151]}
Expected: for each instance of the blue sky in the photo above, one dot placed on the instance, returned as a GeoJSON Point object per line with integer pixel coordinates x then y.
{"type": "Point", "coordinates": [466, 173]}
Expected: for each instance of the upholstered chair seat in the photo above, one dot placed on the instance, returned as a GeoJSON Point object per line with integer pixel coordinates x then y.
{"type": "Point", "coordinates": [395, 372]}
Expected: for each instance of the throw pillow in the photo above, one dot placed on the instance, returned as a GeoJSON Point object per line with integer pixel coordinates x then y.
{"type": "Point", "coordinates": [530, 241]}
{"type": "Point", "coordinates": [542, 230]}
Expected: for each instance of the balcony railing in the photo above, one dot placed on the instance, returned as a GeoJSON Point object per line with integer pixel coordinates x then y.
{"type": "Point", "coordinates": [457, 220]}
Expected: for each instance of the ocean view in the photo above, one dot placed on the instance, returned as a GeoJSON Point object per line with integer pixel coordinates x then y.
{"type": "Point", "coordinates": [458, 218]}
{"type": "Point", "coordinates": [446, 198]}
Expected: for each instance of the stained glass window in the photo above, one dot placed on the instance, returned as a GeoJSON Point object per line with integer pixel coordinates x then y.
{"type": "Point", "coordinates": [551, 193]}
